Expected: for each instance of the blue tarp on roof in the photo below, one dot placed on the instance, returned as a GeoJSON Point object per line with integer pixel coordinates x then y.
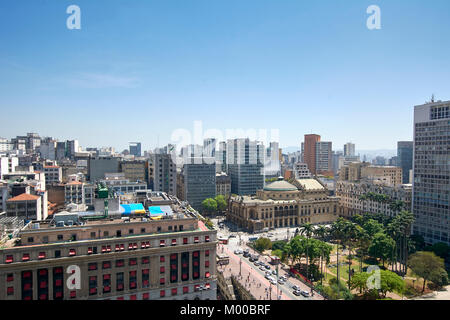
{"type": "Point", "coordinates": [127, 209]}
{"type": "Point", "coordinates": [160, 210]}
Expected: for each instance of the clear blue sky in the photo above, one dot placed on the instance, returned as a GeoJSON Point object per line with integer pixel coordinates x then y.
{"type": "Point", "coordinates": [139, 69]}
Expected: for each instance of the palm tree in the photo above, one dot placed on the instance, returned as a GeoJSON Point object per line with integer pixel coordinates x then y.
{"type": "Point", "coordinates": [350, 237]}
{"type": "Point", "coordinates": [321, 232]}
{"type": "Point", "coordinates": [307, 229]}
{"type": "Point", "coordinates": [363, 243]}
{"type": "Point", "coordinates": [338, 233]}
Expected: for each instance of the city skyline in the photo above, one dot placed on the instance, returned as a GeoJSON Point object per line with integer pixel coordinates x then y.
{"type": "Point", "coordinates": [293, 66]}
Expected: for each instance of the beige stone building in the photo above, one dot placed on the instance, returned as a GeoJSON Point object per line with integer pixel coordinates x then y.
{"type": "Point", "coordinates": [283, 204]}
{"type": "Point", "coordinates": [135, 259]}
{"type": "Point", "coordinates": [357, 171]}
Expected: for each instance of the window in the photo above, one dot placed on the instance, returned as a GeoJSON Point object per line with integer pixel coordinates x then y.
{"type": "Point", "coordinates": [185, 289]}
{"type": "Point", "coordinates": [92, 235]}
{"type": "Point", "coordinates": [133, 262]}
{"type": "Point", "coordinates": [142, 230]}
{"type": "Point", "coordinates": [206, 238]}
{"type": "Point", "coordinates": [207, 274]}
{"type": "Point", "coordinates": [162, 259]}
{"type": "Point", "coordinates": [133, 297]}
{"type": "Point", "coordinates": [30, 239]}
{"type": "Point", "coordinates": [145, 260]}
{"type": "Point", "coordinates": [106, 264]}
{"type": "Point", "coordinates": [120, 263]}
{"type": "Point", "coordinates": [73, 294]}
{"type": "Point", "coordinates": [89, 250]}
{"type": "Point", "coordinates": [159, 229]}
{"type": "Point", "coordinates": [195, 239]}
{"type": "Point", "coordinates": [26, 257]}
{"type": "Point", "coordinates": [131, 231]}
{"type": "Point", "coordinates": [10, 291]}
{"type": "Point", "coordinates": [119, 281]}
{"type": "Point", "coordinates": [185, 240]}
{"type": "Point", "coordinates": [207, 253]}
{"type": "Point", "coordinates": [174, 242]}
{"type": "Point", "coordinates": [106, 233]}
{"type": "Point", "coordinates": [162, 243]}
{"type": "Point", "coordinates": [174, 291]}
{"type": "Point", "coordinates": [72, 252]}
{"type": "Point", "coordinates": [92, 266]}
{"type": "Point", "coordinates": [170, 228]}
{"type": "Point", "coordinates": [206, 263]}
{"type": "Point", "coordinates": [59, 236]}
{"type": "Point", "coordinates": [162, 281]}
{"type": "Point", "coordinates": [162, 270]}
{"type": "Point", "coordinates": [9, 277]}
{"type": "Point", "coordinates": [9, 259]}
{"type": "Point", "coordinates": [145, 296]}
{"type": "Point", "coordinates": [118, 233]}
{"type": "Point", "coordinates": [162, 293]}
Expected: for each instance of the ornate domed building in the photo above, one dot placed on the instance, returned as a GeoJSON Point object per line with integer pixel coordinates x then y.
{"type": "Point", "coordinates": [282, 204]}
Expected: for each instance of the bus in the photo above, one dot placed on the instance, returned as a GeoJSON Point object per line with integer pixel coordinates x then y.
{"type": "Point", "coordinates": [222, 259]}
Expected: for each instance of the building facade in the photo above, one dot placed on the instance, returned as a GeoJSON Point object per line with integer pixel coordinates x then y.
{"type": "Point", "coordinates": [431, 191]}
{"type": "Point", "coordinates": [405, 158]}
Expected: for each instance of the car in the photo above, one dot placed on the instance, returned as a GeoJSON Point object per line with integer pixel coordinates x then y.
{"type": "Point", "coordinates": [238, 251]}
{"type": "Point", "coordinates": [274, 272]}
{"type": "Point", "coordinates": [284, 278]}
{"type": "Point", "coordinates": [232, 236]}
{"type": "Point", "coordinates": [297, 292]}
{"type": "Point", "coordinates": [267, 267]}
{"type": "Point", "coordinates": [296, 288]}
{"type": "Point", "coordinates": [305, 293]}
{"type": "Point", "coordinates": [262, 268]}
{"type": "Point", "coordinates": [268, 276]}
{"type": "Point", "coordinates": [256, 263]}
{"type": "Point", "coordinates": [280, 281]}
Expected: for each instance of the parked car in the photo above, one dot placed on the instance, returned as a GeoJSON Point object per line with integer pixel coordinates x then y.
{"type": "Point", "coordinates": [274, 272]}
{"type": "Point", "coordinates": [297, 292]}
{"type": "Point", "coordinates": [281, 281]}
{"type": "Point", "coordinates": [284, 278]}
{"type": "Point", "coordinates": [256, 263]}
{"type": "Point", "coordinates": [273, 281]}
{"type": "Point", "coordinates": [238, 251]}
{"type": "Point", "coordinates": [267, 267]}
{"type": "Point", "coordinates": [296, 288]}
{"type": "Point", "coordinates": [262, 268]}
{"type": "Point", "coordinates": [305, 293]}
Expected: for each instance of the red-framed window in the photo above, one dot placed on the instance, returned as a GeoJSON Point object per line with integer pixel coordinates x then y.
{"type": "Point", "coordinates": [142, 245]}
{"type": "Point", "coordinates": [108, 248]}
{"type": "Point", "coordinates": [106, 277]}
{"type": "Point", "coordinates": [195, 274]}
{"type": "Point", "coordinates": [10, 291]}
{"type": "Point", "coordinates": [145, 260]}
{"type": "Point", "coordinates": [92, 266]}
{"type": "Point", "coordinates": [185, 240]}
{"type": "Point", "coordinates": [90, 250]}
{"type": "Point", "coordinates": [145, 296]}
{"type": "Point", "coordinates": [207, 275]}
{"type": "Point", "coordinates": [174, 242]}
{"type": "Point", "coordinates": [132, 284]}
{"type": "Point", "coordinates": [184, 276]}
{"type": "Point", "coordinates": [196, 287]}
{"type": "Point", "coordinates": [73, 294]}
{"type": "Point", "coordinates": [135, 246]}
{"type": "Point", "coordinates": [133, 297]}
{"type": "Point", "coordinates": [10, 277]}
{"type": "Point", "coordinates": [72, 252]}
{"type": "Point", "coordinates": [133, 262]}
{"type": "Point", "coordinates": [207, 286]}
{"type": "Point", "coordinates": [162, 243]}
{"type": "Point", "coordinates": [174, 291]}
{"type": "Point", "coordinates": [26, 257]}
{"type": "Point", "coordinates": [173, 266]}
{"type": "Point", "coordinates": [206, 238]}
{"type": "Point", "coordinates": [173, 278]}
{"type": "Point", "coordinates": [130, 246]}
{"type": "Point", "coordinates": [162, 269]}
{"type": "Point", "coordinates": [119, 298]}
{"type": "Point", "coordinates": [42, 255]}
{"type": "Point", "coordinates": [185, 289]}
{"type": "Point", "coordinates": [206, 263]}
{"type": "Point", "coordinates": [195, 254]}
{"type": "Point", "coordinates": [162, 259]}
{"type": "Point", "coordinates": [27, 274]}
{"type": "Point", "coordinates": [195, 263]}
{"type": "Point", "coordinates": [145, 271]}
{"type": "Point", "coordinates": [147, 244]}
{"type": "Point", "coordinates": [106, 264]}
{"type": "Point", "coordinates": [162, 293]}
{"type": "Point", "coordinates": [162, 281]}
{"type": "Point", "coordinates": [43, 272]}
{"type": "Point", "coordinates": [103, 249]}
{"type": "Point", "coordinates": [106, 289]}
{"type": "Point", "coordinates": [43, 297]}
{"type": "Point", "coordinates": [9, 259]}
{"type": "Point", "coordinates": [195, 239]}
{"type": "Point", "coordinates": [58, 282]}
{"type": "Point", "coordinates": [58, 294]}
{"type": "Point", "coordinates": [58, 270]}
{"type": "Point", "coordinates": [117, 247]}
{"type": "Point", "coordinates": [133, 273]}
{"type": "Point", "coordinates": [43, 284]}
{"type": "Point", "coordinates": [207, 253]}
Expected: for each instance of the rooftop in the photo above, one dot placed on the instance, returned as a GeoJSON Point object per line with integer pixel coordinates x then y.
{"type": "Point", "coordinates": [310, 184]}
{"type": "Point", "coordinates": [23, 197]}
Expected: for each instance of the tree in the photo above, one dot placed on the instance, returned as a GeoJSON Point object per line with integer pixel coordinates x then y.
{"type": "Point", "coordinates": [441, 249]}
{"type": "Point", "coordinates": [263, 244]}
{"type": "Point", "coordinates": [389, 282]}
{"type": "Point", "coordinates": [307, 229]}
{"type": "Point", "coordinates": [351, 233]}
{"type": "Point", "coordinates": [427, 266]}
{"type": "Point", "coordinates": [209, 205]}
{"type": "Point", "coordinates": [338, 233]}
{"type": "Point", "coordinates": [279, 245]}
{"type": "Point", "coordinates": [381, 247]}
{"type": "Point", "coordinates": [221, 203]}
{"type": "Point", "coordinates": [373, 227]}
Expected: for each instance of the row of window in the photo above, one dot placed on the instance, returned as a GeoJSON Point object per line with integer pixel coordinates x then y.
{"type": "Point", "coordinates": [104, 249]}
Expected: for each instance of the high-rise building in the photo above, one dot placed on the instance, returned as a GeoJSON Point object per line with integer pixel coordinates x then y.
{"type": "Point", "coordinates": [405, 158]}
{"type": "Point", "coordinates": [135, 149]}
{"type": "Point", "coordinates": [98, 166]}
{"type": "Point", "coordinates": [72, 148]}
{"type": "Point", "coordinates": [309, 151]}
{"type": "Point", "coordinates": [162, 173]}
{"type": "Point", "coordinates": [245, 161]}
{"type": "Point", "coordinates": [324, 158]}
{"type": "Point", "coordinates": [199, 179]}
{"type": "Point", "coordinates": [431, 193]}
{"type": "Point", "coordinates": [349, 149]}
{"type": "Point", "coordinates": [209, 147]}
{"type": "Point", "coordinates": [221, 157]}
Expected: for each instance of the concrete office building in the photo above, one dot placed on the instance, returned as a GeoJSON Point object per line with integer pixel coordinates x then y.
{"type": "Point", "coordinates": [199, 181]}
{"type": "Point", "coordinates": [431, 192]}
{"type": "Point", "coordinates": [135, 170]}
{"type": "Point", "coordinates": [324, 158]}
{"type": "Point", "coordinates": [309, 151]}
{"type": "Point", "coordinates": [245, 161]}
{"type": "Point", "coordinates": [223, 184]}
{"type": "Point", "coordinates": [98, 166]}
{"type": "Point", "coordinates": [162, 173]}
{"type": "Point", "coordinates": [135, 149]}
{"type": "Point", "coordinates": [405, 158]}
{"type": "Point", "coordinates": [301, 171]}
{"type": "Point", "coordinates": [349, 149]}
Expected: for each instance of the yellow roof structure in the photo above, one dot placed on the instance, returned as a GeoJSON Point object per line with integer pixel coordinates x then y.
{"type": "Point", "coordinates": [310, 184]}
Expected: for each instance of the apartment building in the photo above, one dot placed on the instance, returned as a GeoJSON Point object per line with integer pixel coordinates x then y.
{"type": "Point", "coordinates": [53, 174]}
